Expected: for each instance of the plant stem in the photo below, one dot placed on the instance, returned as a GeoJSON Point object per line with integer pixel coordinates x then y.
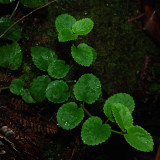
{"type": "Point", "coordinates": [3, 88]}
{"type": "Point", "coordinates": [88, 113]}
{"type": "Point", "coordinates": [106, 121]}
{"type": "Point", "coordinates": [117, 132]}
{"type": "Point", "coordinates": [14, 10]}
{"type": "Point", "coordinates": [24, 17]}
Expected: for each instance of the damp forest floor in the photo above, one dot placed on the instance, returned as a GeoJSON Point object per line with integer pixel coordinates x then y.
{"type": "Point", "coordinates": [128, 61]}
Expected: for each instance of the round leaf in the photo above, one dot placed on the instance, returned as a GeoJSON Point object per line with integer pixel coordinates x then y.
{"type": "Point", "coordinates": [14, 33]}
{"type": "Point", "coordinates": [33, 3]}
{"type": "Point", "coordinates": [11, 56]}
{"type": "Point", "coordinates": [64, 21]}
{"type": "Point", "coordinates": [122, 98]}
{"type": "Point", "coordinates": [94, 132]}
{"type": "Point", "coordinates": [69, 115]}
{"type": "Point", "coordinates": [83, 26]}
{"type": "Point", "coordinates": [58, 69]}
{"type": "Point", "coordinates": [122, 116]}
{"type": "Point", "coordinates": [38, 87]}
{"type": "Point", "coordinates": [6, 1]}
{"type": "Point", "coordinates": [16, 86]}
{"type": "Point", "coordinates": [42, 57]}
{"type": "Point", "coordinates": [66, 34]}
{"type": "Point", "coordinates": [57, 91]}
{"type": "Point", "coordinates": [82, 54]}
{"type": "Point", "coordinates": [26, 96]}
{"type": "Point", "coordinates": [87, 88]}
{"type": "Point", "coordinates": [139, 138]}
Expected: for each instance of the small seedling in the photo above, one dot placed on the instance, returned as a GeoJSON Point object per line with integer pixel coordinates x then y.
{"type": "Point", "coordinates": [68, 30]}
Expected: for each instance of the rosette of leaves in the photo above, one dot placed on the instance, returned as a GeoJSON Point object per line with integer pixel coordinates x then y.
{"type": "Point", "coordinates": [6, 1]}
{"type": "Point", "coordinates": [14, 33]}
{"type": "Point", "coordinates": [42, 57]}
{"type": "Point", "coordinates": [11, 56]}
{"type": "Point", "coordinates": [58, 69]}
{"type": "Point", "coordinates": [69, 29]}
{"type": "Point", "coordinates": [69, 115]}
{"type": "Point", "coordinates": [87, 88]}
{"type": "Point", "coordinates": [38, 87]}
{"type": "Point", "coordinates": [122, 98]}
{"type": "Point", "coordinates": [94, 132]}
{"type": "Point", "coordinates": [33, 3]}
{"type": "Point", "coordinates": [83, 54]}
{"type": "Point", "coordinates": [57, 91]}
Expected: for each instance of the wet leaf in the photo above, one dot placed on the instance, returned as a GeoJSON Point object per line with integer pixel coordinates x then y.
{"type": "Point", "coordinates": [122, 98]}
{"type": "Point", "coordinates": [58, 69]}
{"type": "Point", "coordinates": [57, 91]}
{"type": "Point", "coordinates": [69, 115]}
{"type": "Point", "coordinates": [64, 21]}
{"type": "Point", "coordinates": [87, 88]}
{"type": "Point", "coordinates": [139, 138]}
{"type": "Point", "coordinates": [82, 54]}
{"type": "Point", "coordinates": [94, 132]}
{"type": "Point", "coordinates": [122, 116]}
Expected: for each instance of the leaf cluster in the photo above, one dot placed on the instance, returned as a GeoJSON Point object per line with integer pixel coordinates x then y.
{"type": "Point", "coordinates": [117, 108]}
{"type": "Point", "coordinates": [69, 29]}
{"type": "Point", "coordinates": [94, 131]}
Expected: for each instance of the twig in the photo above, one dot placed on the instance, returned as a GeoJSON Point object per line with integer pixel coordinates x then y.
{"type": "Point", "coordinates": [24, 17]}
{"type": "Point", "coordinates": [135, 18]}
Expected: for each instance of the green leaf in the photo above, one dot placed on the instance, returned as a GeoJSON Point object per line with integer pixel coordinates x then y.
{"type": "Point", "coordinates": [94, 132]}
{"type": "Point", "coordinates": [83, 54]}
{"type": "Point", "coordinates": [58, 69]}
{"type": "Point", "coordinates": [26, 96]}
{"type": "Point", "coordinates": [42, 57]}
{"type": "Point", "coordinates": [11, 56]}
{"type": "Point", "coordinates": [94, 54]}
{"type": "Point", "coordinates": [38, 87]}
{"type": "Point", "coordinates": [87, 88]}
{"type": "Point", "coordinates": [69, 115]}
{"type": "Point", "coordinates": [64, 21]}
{"type": "Point", "coordinates": [122, 116]}
{"type": "Point", "coordinates": [83, 26]}
{"type": "Point", "coordinates": [66, 34]}
{"type": "Point", "coordinates": [122, 98]}
{"type": "Point", "coordinates": [6, 1]}
{"type": "Point", "coordinates": [57, 91]}
{"type": "Point", "coordinates": [14, 33]}
{"type": "Point", "coordinates": [139, 138]}
{"type": "Point", "coordinates": [16, 86]}
{"type": "Point", "coordinates": [33, 3]}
